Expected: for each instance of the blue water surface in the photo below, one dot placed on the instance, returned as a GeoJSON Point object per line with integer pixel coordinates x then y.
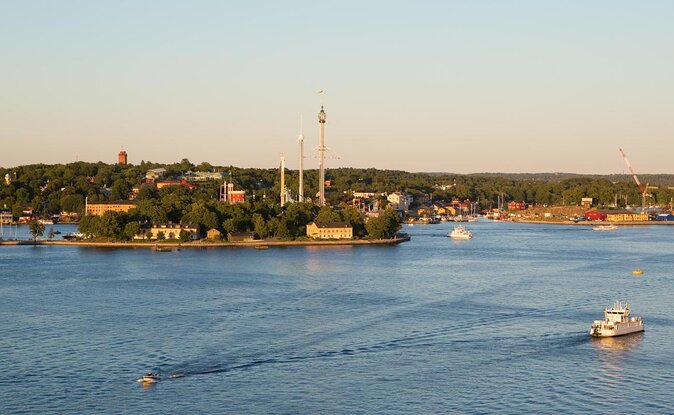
{"type": "Point", "coordinates": [496, 324]}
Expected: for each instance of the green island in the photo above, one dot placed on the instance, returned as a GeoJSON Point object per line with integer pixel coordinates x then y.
{"type": "Point", "coordinates": [184, 204]}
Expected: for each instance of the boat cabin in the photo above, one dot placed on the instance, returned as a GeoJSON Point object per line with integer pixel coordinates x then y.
{"type": "Point", "coordinates": [618, 313]}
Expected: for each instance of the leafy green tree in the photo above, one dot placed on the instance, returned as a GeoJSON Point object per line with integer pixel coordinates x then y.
{"type": "Point", "coordinates": [36, 228]}
{"type": "Point", "coordinates": [110, 225]}
{"type": "Point", "coordinates": [385, 226]}
{"type": "Point", "coordinates": [328, 214]}
{"type": "Point", "coordinates": [90, 225]}
{"type": "Point", "coordinates": [131, 230]}
{"type": "Point", "coordinates": [184, 236]}
{"type": "Point", "coordinates": [73, 203]}
{"type": "Point", "coordinates": [161, 236]}
{"type": "Point", "coordinates": [259, 225]}
{"type": "Point", "coordinates": [357, 220]}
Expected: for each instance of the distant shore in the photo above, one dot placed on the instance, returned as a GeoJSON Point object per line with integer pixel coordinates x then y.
{"type": "Point", "coordinates": [259, 244]}
{"type": "Point", "coordinates": [593, 223]}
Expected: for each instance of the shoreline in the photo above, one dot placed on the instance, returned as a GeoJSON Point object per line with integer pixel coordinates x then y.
{"type": "Point", "coordinates": [593, 223]}
{"type": "Point", "coordinates": [261, 244]}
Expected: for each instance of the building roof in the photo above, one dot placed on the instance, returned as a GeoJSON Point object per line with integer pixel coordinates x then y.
{"type": "Point", "coordinates": [324, 225]}
{"type": "Point", "coordinates": [121, 202]}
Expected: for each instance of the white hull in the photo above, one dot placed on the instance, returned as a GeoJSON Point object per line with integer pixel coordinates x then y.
{"type": "Point", "coordinates": [460, 232]}
{"type": "Point", "coordinates": [619, 329]}
{"type": "Point", "coordinates": [616, 322]}
{"type": "Point", "coordinates": [604, 228]}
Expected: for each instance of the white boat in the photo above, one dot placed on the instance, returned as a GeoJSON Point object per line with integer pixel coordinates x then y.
{"type": "Point", "coordinates": [616, 322]}
{"type": "Point", "coordinates": [460, 232]}
{"type": "Point", "coordinates": [604, 228]}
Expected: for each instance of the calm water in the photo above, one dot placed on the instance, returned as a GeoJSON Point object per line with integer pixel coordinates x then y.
{"type": "Point", "coordinates": [497, 324]}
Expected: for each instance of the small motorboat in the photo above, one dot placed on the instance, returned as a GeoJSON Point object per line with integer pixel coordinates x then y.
{"type": "Point", "coordinates": [460, 232]}
{"type": "Point", "coordinates": [149, 377]}
{"type": "Point", "coordinates": [176, 375]}
{"type": "Point", "coordinates": [604, 228]}
{"type": "Point", "coordinates": [637, 272]}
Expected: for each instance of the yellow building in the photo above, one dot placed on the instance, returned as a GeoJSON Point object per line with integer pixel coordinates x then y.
{"type": "Point", "coordinates": [330, 230]}
{"type": "Point", "coordinates": [626, 216]}
{"type": "Point", "coordinates": [98, 209]}
{"type": "Point", "coordinates": [169, 230]}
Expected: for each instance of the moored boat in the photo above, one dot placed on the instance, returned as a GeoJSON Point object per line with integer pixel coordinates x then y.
{"type": "Point", "coordinates": [616, 322]}
{"type": "Point", "coordinates": [460, 232]}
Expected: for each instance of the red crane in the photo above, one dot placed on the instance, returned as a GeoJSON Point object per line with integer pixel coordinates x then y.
{"type": "Point", "coordinates": [640, 186]}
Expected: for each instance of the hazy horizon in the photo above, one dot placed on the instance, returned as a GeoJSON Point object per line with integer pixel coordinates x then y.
{"type": "Point", "coordinates": [431, 87]}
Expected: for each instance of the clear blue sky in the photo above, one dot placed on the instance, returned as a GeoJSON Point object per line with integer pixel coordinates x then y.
{"type": "Point", "coordinates": [456, 86]}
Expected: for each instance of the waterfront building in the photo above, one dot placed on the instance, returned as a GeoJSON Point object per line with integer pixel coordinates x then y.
{"type": "Point", "coordinates": [669, 216]}
{"type": "Point", "coordinates": [616, 215]}
{"type": "Point", "coordinates": [330, 230]}
{"type": "Point", "coordinates": [6, 217]}
{"type": "Point", "coordinates": [240, 237]}
{"type": "Point", "coordinates": [98, 209]}
{"type": "Point", "coordinates": [169, 230]}
{"type": "Point", "coordinates": [517, 205]}
{"type": "Point", "coordinates": [121, 158]}
{"type": "Point", "coordinates": [626, 216]}
{"type": "Point", "coordinates": [586, 202]}
{"type": "Point", "coordinates": [213, 234]}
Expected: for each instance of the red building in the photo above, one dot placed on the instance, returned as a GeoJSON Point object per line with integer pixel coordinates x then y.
{"type": "Point", "coordinates": [163, 183]}
{"type": "Point", "coordinates": [517, 205]}
{"type": "Point", "coordinates": [595, 215]}
{"type": "Point", "coordinates": [121, 157]}
{"type": "Point", "coordinates": [231, 196]}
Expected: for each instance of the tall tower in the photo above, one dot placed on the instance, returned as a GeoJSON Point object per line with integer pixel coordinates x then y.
{"type": "Point", "coordinates": [321, 158]}
{"type": "Point", "coordinates": [283, 180]}
{"type": "Point", "coordinates": [300, 190]}
{"type": "Point", "coordinates": [121, 157]}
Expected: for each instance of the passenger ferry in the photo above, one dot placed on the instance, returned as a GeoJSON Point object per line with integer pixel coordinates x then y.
{"type": "Point", "coordinates": [616, 322]}
{"type": "Point", "coordinates": [460, 232]}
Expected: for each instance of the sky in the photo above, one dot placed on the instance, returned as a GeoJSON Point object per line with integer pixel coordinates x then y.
{"type": "Point", "coordinates": [427, 86]}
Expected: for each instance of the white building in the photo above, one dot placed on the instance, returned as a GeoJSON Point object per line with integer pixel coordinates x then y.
{"type": "Point", "coordinates": [400, 200]}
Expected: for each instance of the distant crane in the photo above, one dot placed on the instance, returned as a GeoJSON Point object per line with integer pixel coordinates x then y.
{"type": "Point", "coordinates": [643, 189]}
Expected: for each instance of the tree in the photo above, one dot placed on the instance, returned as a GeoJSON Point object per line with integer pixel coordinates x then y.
{"type": "Point", "coordinates": [357, 220]}
{"type": "Point", "coordinates": [184, 236]}
{"type": "Point", "coordinates": [327, 214]}
{"type": "Point", "coordinates": [36, 228]}
{"type": "Point", "coordinates": [385, 226]}
{"type": "Point", "coordinates": [259, 225]}
{"type": "Point", "coordinates": [131, 230]}
{"type": "Point", "coordinates": [161, 236]}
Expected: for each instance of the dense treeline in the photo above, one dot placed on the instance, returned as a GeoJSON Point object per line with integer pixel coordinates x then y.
{"type": "Point", "coordinates": [50, 189]}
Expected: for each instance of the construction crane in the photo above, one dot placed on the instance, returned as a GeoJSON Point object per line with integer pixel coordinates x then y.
{"type": "Point", "coordinates": [643, 189]}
